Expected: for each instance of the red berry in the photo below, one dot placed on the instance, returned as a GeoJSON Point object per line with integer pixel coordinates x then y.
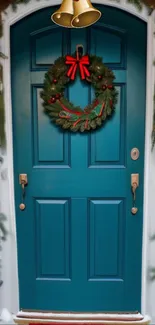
{"type": "Point", "coordinates": [55, 81]}
{"type": "Point", "coordinates": [104, 87]}
{"type": "Point", "coordinates": [110, 86]}
{"type": "Point", "coordinates": [53, 100]}
{"type": "Point", "coordinates": [57, 96]}
{"type": "Point", "coordinates": [49, 101]}
{"type": "Point", "coordinates": [99, 77]}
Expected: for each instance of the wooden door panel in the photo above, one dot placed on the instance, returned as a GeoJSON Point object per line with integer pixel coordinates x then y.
{"type": "Point", "coordinates": [106, 238]}
{"type": "Point", "coordinates": [55, 151]}
{"type": "Point", "coordinates": [114, 45]}
{"type": "Point", "coordinates": [53, 239]}
{"type": "Point", "coordinates": [46, 45]}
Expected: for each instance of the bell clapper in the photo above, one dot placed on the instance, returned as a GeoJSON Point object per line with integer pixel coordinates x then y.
{"type": "Point", "coordinates": [58, 16]}
{"type": "Point", "coordinates": [77, 20]}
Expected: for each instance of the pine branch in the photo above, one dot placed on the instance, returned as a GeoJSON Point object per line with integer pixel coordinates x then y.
{"type": "Point", "coordinates": [2, 226]}
{"type": "Point", "coordinates": [15, 3]}
{"type": "Point", "coordinates": [152, 237]}
{"type": "Point", "coordinates": [3, 56]}
{"type": "Point", "coordinates": [137, 3]}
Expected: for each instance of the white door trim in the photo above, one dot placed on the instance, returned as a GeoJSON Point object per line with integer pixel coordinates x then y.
{"type": "Point", "coordinates": [149, 181]}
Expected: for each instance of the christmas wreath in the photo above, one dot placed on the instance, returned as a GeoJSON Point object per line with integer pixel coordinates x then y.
{"type": "Point", "coordinates": [91, 70]}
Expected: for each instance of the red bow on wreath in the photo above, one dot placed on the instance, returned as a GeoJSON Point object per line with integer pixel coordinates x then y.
{"type": "Point", "coordinates": [75, 63]}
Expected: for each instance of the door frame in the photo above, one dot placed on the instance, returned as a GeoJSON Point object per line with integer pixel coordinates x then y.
{"type": "Point", "coordinates": [149, 169]}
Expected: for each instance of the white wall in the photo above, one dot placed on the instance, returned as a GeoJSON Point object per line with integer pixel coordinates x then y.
{"type": "Point", "coordinates": [150, 293]}
{"type": "Point", "coordinates": [9, 291]}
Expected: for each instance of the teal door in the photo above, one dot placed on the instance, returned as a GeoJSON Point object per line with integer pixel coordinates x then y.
{"type": "Point", "coordinates": [79, 246]}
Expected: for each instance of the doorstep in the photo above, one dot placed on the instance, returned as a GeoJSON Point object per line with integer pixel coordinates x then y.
{"type": "Point", "coordinates": [62, 318]}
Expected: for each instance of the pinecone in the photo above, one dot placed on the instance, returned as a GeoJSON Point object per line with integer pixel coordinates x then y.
{"type": "Point", "coordinates": [149, 3]}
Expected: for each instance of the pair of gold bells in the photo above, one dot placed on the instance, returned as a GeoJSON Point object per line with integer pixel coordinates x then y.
{"type": "Point", "coordinates": [76, 14]}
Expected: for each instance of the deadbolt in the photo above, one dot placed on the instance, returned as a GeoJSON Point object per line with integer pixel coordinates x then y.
{"type": "Point", "coordinates": [135, 153]}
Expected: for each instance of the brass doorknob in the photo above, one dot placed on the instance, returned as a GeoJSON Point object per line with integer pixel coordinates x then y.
{"type": "Point", "coordinates": [134, 210]}
{"type": "Point", "coordinates": [22, 206]}
{"type": "Point", "coordinates": [23, 181]}
{"type": "Point", "coordinates": [134, 186]}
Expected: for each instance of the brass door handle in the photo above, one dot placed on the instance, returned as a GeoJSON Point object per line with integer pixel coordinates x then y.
{"type": "Point", "coordinates": [23, 181]}
{"type": "Point", "coordinates": [134, 186]}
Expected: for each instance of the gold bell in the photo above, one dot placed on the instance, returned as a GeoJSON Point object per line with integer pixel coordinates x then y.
{"type": "Point", "coordinates": [84, 13]}
{"type": "Point", "coordinates": [64, 15]}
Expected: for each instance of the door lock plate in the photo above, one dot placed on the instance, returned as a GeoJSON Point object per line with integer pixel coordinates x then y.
{"type": "Point", "coordinates": [135, 179]}
{"type": "Point", "coordinates": [23, 179]}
